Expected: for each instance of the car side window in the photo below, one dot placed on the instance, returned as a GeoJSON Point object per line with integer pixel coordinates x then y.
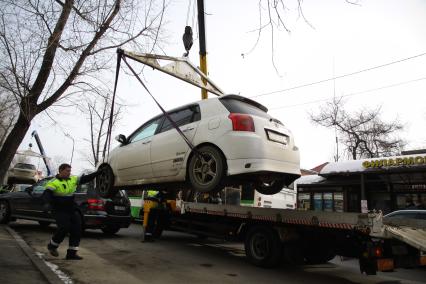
{"type": "Point", "coordinates": [182, 117]}
{"type": "Point", "coordinates": [146, 131]}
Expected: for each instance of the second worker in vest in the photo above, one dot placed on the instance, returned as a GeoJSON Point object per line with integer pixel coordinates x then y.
{"type": "Point", "coordinates": [60, 194]}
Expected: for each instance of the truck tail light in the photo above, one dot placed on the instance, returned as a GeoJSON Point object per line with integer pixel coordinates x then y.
{"type": "Point", "coordinates": [241, 122]}
{"type": "Point", "coordinates": [96, 204]}
{"type": "Point", "coordinates": [378, 252]}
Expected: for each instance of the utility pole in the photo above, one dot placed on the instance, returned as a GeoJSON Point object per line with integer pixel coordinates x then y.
{"type": "Point", "coordinates": [202, 41]}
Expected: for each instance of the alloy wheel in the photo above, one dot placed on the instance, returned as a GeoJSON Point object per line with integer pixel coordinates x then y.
{"type": "Point", "coordinates": [205, 168]}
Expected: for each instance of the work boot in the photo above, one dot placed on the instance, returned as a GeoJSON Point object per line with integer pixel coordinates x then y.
{"type": "Point", "coordinates": [72, 255]}
{"type": "Point", "coordinates": [53, 250]}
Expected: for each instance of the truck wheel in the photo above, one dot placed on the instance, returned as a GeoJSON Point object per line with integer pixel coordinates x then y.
{"type": "Point", "coordinates": [263, 247]}
{"type": "Point", "coordinates": [105, 182]}
{"type": "Point", "coordinates": [4, 212]}
{"type": "Point", "coordinates": [206, 172]}
{"type": "Point", "coordinates": [270, 188]}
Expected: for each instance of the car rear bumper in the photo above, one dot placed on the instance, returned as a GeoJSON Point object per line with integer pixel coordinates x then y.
{"type": "Point", "coordinates": [243, 166]}
{"type": "Point", "coordinates": [99, 221]}
{"type": "Point", "coordinates": [268, 155]}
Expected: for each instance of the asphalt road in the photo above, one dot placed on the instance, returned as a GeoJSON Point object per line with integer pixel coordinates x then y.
{"type": "Point", "coordinates": [182, 258]}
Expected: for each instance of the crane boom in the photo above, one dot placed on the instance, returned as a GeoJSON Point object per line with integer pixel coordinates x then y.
{"type": "Point", "coordinates": [42, 152]}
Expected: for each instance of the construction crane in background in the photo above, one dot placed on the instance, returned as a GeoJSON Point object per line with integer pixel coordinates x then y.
{"type": "Point", "coordinates": [42, 152]}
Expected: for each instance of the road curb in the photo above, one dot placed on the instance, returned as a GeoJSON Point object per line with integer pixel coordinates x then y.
{"type": "Point", "coordinates": [50, 276]}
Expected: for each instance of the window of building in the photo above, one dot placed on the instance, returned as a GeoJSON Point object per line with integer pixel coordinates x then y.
{"type": "Point", "coordinates": [338, 202]}
{"type": "Point", "coordinates": [328, 201]}
{"type": "Point", "coordinates": [318, 201]}
{"type": "Point", "coordinates": [304, 201]}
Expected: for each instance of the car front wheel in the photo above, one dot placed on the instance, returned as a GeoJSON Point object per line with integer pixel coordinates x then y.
{"type": "Point", "coordinates": [206, 169]}
{"type": "Point", "coordinates": [105, 182]}
{"type": "Point", "coordinates": [4, 212]}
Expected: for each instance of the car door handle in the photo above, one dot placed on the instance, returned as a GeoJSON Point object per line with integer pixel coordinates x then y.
{"type": "Point", "coordinates": [188, 129]}
{"type": "Point", "coordinates": [146, 142]}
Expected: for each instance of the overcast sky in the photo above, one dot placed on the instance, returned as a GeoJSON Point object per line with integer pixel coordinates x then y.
{"type": "Point", "coordinates": [340, 39]}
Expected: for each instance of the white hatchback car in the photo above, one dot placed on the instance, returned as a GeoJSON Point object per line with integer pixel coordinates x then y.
{"type": "Point", "coordinates": [237, 142]}
{"type": "Point", "coordinates": [23, 172]}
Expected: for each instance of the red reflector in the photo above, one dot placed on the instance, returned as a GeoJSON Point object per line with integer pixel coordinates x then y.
{"type": "Point", "coordinates": [96, 204]}
{"type": "Point", "coordinates": [378, 252]}
{"type": "Point", "coordinates": [241, 122]}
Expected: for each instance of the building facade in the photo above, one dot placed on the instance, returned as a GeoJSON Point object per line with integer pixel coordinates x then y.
{"type": "Point", "coordinates": [386, 184]}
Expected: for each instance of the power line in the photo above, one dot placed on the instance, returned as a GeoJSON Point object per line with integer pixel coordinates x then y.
{"type": "Point", "coordinates": [340, 76]}
{"type": "Point", "coordinates": [352, 94]}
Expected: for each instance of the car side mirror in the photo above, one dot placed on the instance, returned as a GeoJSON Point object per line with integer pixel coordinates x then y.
{"type": "Point", "coordinates": [121, 138]}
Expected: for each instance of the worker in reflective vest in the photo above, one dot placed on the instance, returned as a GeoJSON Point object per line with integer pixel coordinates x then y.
{"type": "Point", "coordinates": [153, 193]}
{"type": "Point", "coordinates": [59, 193]}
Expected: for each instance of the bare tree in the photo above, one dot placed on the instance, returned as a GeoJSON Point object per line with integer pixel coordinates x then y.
{"type": "Point", "coordinates": [363, 133]}
{"type": "Point", "coordinates": [273, 19]}
{"type": "Point", "coordinates": [8, 115]}
{"type": "Point", "coordinates": [98, 113]}
{"type": "Point", "coordinates": [53, 49]}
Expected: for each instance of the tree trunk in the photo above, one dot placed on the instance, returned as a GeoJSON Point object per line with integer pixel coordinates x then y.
{"type": "Point", "coordinates": [12, 143]}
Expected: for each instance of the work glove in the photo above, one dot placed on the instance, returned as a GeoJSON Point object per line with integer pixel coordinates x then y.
{"type": "Point", "coordinates": [86, 178]}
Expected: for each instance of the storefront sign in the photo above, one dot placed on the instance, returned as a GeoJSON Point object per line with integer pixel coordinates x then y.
{"type": "Point", "coordinates": [406, 161]}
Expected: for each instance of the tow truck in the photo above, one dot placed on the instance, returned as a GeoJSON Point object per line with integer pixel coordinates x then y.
{"type": "Point", "coordinates": [270, 235]}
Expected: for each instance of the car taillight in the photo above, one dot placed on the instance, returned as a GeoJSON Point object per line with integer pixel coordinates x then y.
{"type": "Point", "coordinates": [241, 122]}
{"type": "Point", "coordinates": [96, 204]}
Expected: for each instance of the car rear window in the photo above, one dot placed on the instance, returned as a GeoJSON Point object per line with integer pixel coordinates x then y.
{"type": "Point", "coordinates": [238, 106]}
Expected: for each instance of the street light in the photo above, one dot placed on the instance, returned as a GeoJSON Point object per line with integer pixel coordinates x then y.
{"type": "Point", "coordinates": [73, 142]}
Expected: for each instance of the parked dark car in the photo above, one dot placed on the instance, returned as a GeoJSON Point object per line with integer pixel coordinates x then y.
{"type": "Point", "coordinates": [107, 214]}
{"type": "Point", "coordinates": [404, 214]}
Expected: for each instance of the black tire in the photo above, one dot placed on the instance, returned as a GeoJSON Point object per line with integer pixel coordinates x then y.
{"type": "Point", "coordinates": [206, 174]}
{"type": "Point", "coordinates": [105, 182]}
{"type": "Point", "coordinates": [273, 187]}
{"type": "Point", "coordinates": [4, 212]}
{"type": "Point", "coordinates": [263, 247]}
{"type": "Point", "coordinates": [44, 224]}
{"type": "Point", "coordinates": [110, 230]}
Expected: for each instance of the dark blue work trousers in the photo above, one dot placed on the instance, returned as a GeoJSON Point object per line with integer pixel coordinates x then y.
{"type": "Point", "coordinates": [68, 222]}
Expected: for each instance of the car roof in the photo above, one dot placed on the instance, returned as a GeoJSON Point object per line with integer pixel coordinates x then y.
{"type": "Point", "coordinates": [407, 211]}
{"type": "Point", "coordinates": [229, 96]}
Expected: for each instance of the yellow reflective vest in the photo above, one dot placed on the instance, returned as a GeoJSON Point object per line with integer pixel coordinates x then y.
{"type": "Point", "coordinates": [63, 187]}
{"type": "Point", "coordinates": [152, 193]}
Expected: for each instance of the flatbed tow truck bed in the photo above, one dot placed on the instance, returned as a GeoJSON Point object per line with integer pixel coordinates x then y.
{"type": "Point", "coordinates": [297, 237]}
